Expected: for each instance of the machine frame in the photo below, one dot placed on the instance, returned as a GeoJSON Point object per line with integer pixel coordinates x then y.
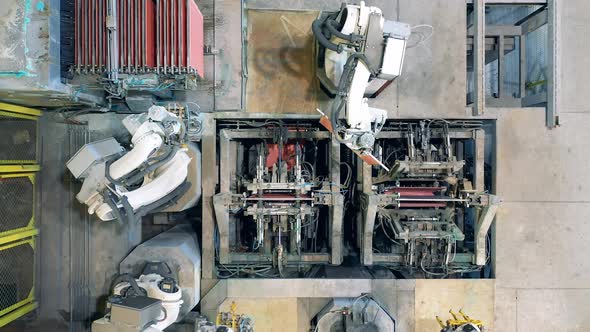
{"type": "Point", "coordinates": [367, 216]}
{"type": "Point", "coordinates": [228, 141]}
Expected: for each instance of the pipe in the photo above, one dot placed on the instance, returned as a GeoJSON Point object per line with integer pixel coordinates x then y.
{"type": "Point", "coordinates": [316, 27]}
{"type": "Point", "coordinates": [113, 42]}
{"type": "Point", "coordinates": [166, 179]}
{"type": "Point", "coordinates": [157, 162]}
{"type": "Point", "coordinates": [132, 282]}
{"type": "Point", "coordinates": [165, 201]}
{"type": "Point", "coordinates": [132, 160]}
{"type": "Point", "coordinates": [422, 205]}
{"type": "Point", "coordinates": [333, 28]}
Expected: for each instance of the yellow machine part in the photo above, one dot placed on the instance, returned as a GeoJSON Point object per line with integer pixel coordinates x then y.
{"type": "Point", "coordinates": [230, 319]}
{"type": "Point", "coordinates": [457, 321]}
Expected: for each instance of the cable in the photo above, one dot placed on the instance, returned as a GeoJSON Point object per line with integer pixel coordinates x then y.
{"type": "Point", "coordinates": [428, 272]}
{"type": "Point", "coordinates": [131, 281]}
{"type": "Point", "coordinates": [348, 175]}
{"type": "Point", "coordinates": [385, 232]}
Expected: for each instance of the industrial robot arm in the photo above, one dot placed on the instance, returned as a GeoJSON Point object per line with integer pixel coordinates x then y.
{"type": "Point", "coordinates": [359, 53]}
{"type": "Point", "coordinates": [120, 184]}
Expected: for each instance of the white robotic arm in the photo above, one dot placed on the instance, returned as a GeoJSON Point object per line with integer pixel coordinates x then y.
{"type": "Point", "coordinates": [157, 287]}
{"type": "Point", "coordinates": [118, 184]}
{"type": "Point", "coordinates": [359, 53]}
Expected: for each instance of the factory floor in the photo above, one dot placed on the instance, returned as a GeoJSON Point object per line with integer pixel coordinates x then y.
{"type": "Point", "coordinates": [542, 271]}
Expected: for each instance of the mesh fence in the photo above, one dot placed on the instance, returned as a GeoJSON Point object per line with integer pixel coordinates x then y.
{"type": "Point", "coordinates": [16, 203]}
{"type": "Point", "coordinates": [18, 140]}
{"type": "Point", "coordinates": [537, 43]}
{"type": "Point", "coordinates": [16, 274]}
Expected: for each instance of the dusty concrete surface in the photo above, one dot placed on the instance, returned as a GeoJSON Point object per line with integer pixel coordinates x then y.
{"type": "Point", "coordinates": [433, 82]}
{"type": "Point", "coordinates": [79, 254]}
{"type": "Point", "coordinates": [281, 74]}
{"type": "Point", "coordinates": [542, 268]}
{"type": "Point", "coordinates": [281, 71]}
{"type": "Point", "coordinates": [228, 64]}
{"type": "Point", "coordinates": [436, 297]}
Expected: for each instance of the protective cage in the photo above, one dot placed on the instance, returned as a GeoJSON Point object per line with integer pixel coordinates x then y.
{"type": "Point", "coordinates": [17, 279]}
{"type": "Point", "coordinates": [17, 204]}
{"type": "Point", "coordinates": [18, 135]}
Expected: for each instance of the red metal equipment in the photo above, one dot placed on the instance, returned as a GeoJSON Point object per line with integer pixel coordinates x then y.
{"type": "Point", "coordinates": [155, 36]}
{"type": "Point", "coordinates": [422, 193]}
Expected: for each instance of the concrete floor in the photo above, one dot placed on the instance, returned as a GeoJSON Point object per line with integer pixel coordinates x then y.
{"type": "Point", "coordinates": [542, 272]}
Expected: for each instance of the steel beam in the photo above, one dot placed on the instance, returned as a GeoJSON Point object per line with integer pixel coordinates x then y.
{"type": "Point", "coordinates": [479, 136]}
{"type": "Point", "coordinates": [337, 208]}
{"type": "Point", "coordinates": [265, 116]}
{"type": "Point", "coordinates": [523, 67]}
{"type": "Point", "coordinates": [498, 30]}
{"type": "Point", "coordinates": [252, 258]}
{"type": "Point", "coordinates": [506, 101]}
{"type": "Point", "coordinates": [368, 227]}
{"type": "Point", "coordinates": [221, 204]}
{"type": "Point", "coordinates": [536, 99]}
{"type": "Point", "coordinates": [535, 21]}
{"type": "Point", "coordinates": [482, 227]}
{"type": "Point", "coordinates": [552, 115]}
{"type": "Point", "coordinates": [227, 162]}
{"type": "Point", "coordinates": [337, 228]}
{"type": "Point", "coordinates": [387, 258]}
{"type": "Point", "coordinates": [479, 57]}
{"type": "Point", "coordinates": [501, 66]}
{"type": "Point", "coordinates": [464, 134]}
{"type": "Point", "coordinates": [209, 182]}
{"type": "Point", "coordinates": [511, 2]}
{"type": "Point", "coordinates": [232, 134]}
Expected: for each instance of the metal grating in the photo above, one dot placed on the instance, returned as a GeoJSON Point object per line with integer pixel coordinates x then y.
{"type": "Point", "coordinates": [82, 302]}
{"type": "Point", "coordinates": [16, 204]}
{"type": "Point", "coordinates": [66, 38]}
{"type": "Point", "coordinates": [537, 44]}
{"type": "Point", "coordinates": [17, 269]}
{"type": "Point", "coordinates": [18, 139]}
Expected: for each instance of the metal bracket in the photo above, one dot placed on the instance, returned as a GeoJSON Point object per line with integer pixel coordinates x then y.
{"type": "Point", "coordinates": [483, 226]}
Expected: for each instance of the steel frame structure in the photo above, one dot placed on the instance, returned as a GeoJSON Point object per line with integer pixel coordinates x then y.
{"type": "Point", "coordinates": [479, 33]}
{"type": "Point", "coordinates": [366, 218]}
{"type": "Point", "coordinates": [216, 192]}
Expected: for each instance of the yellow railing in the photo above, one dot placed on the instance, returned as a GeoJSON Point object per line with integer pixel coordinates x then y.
{"type": "Point", "coordinates": [18, 167]}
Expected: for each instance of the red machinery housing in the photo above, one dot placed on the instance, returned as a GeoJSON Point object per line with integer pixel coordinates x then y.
{"type": "Point", "coordinates": [155, 36]}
